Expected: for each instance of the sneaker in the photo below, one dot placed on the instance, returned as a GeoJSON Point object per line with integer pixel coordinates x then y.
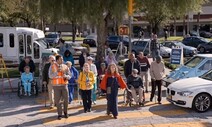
{"type": "Point", "coordinates": [115, 117]}
{"type": "Point", "coordinates": [89, 110]}
{"type": "Point", "coordinates": [94, 102]}
{"type": "Point", "coordinates": [25, 94]}
{"type": "Point", "coordinates": [141, 104]}
{"type": "Point", "coordinates": [150, 99]}
{"type": "Point", "coordinates": [29, 94]}
{"type": "Point", "coordinates": [85, 111]}
{"type": "Point", "coordinates": [159, 102]}
{"type": "Point", "coordinates": [66, 115]}
{"type": "Point", "coordinates": [59, 117]}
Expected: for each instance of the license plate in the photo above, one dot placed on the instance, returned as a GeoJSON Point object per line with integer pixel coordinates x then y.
{"type": "Point", "coordinates": [169, 97]}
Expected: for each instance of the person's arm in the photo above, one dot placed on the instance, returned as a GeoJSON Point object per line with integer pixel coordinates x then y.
{"type": "Point", "coordinates": [67, 73]}
{"type": "Point", "coordinates": [45, 73]}
{"type": "Point", "coordinates": [129, 82]}
{"type": "Point", "coordinates": [31, 77]}
{"type": "Point", "coordinates": [21, 67]}
{"type": "Point", "coordinates": [151, 71]}
{"type": "Point", "coordinates": [52, 71]}
{"type": "Point", "coordinates": [80, 79]}
{"type": "Point", "coordinates": [104, 82]}
{"type": "Point", "coordinates": [141, 82]}
{"type": "Point", "coordinates": [76, 73]}
{"type": "Point", "coordinates": [148, 64]}
{"type": "Point", "coordinates": [122, 82]}
{"type": "Point", "coordinates": [92, 80]}
{"type": "Point", "coordinates": [95, 70]}
{"type": "Point", "coordinates": [125, 69]}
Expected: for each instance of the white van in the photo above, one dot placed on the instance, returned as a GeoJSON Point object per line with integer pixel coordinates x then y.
{"type": "Point", "coordinates": [18, 42]}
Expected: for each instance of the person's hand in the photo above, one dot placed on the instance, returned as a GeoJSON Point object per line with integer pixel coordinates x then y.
{"type": "Point", "coordinates": [44, 82]}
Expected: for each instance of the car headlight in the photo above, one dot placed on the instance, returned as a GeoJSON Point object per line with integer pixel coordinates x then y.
{"type": "Point", "coordinates": [185, 93]}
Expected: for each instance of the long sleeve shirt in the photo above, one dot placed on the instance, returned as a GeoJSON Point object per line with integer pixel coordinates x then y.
{"type": "Point", "coordinates": [157, 70]}
{"type": "Point", "coordinates": [93, 69]}
{"type": "Point", "coordinates": [26, 77]}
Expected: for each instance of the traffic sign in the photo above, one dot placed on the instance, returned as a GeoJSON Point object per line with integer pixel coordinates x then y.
{"type": "Point", "coordinates": [123, 30]}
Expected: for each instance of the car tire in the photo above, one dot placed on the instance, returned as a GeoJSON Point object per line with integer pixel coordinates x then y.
{"type": "Point", "coordinates": [202, 102]}
{"type": "Point", "coordinates": [202, 50]}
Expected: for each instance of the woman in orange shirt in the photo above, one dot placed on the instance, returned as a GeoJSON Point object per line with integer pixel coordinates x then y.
{"type": "Point", "coordinates": [111, 82]}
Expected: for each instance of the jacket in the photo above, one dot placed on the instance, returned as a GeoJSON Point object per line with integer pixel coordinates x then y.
{"type": "Point", "coordinates": [128, 67]}
{"type": "Point", "coordinates": [74, 76]}
{"type": "Point", "coordinates": [134, 81]}
{"type": "Point", "coordinates": [157, 70]}
{"type": "Point", "coordinates": [82, 80]}
{"type": "Point", "coordinates": [121, 82]}
{"type": "Point", "coordinates": [26, 78]}
{"type": "Point", "coordinates": [23, 64]}
{"type": "Point", "coordinates": [46, 72]}
{"type": "Point", "coordinates": [59, 78]}
{"type": "Point", "coordinates": [82, 59]}
{"type": "Point", "coordinates": [69, 58]}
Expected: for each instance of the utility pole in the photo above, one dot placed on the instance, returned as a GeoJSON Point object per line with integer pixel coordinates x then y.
{"type": "Point", "coordinates": [130, 14]}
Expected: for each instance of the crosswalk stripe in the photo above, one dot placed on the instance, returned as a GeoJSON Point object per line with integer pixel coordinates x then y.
{"type": "Point", "coordinates": [99, 117]}
{"type": "Point", "coordinates": [179, 124]}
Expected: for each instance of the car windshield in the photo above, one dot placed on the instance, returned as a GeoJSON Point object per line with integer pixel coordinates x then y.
{"type": "Point", "coordinates": [179, 44]}
{"type": "Point", "coordinates": [42, 42]}
{"type": "Point", "coordinates": [203, 39]}
{"type": "Point", "coordinates": [51, 36]}
{"type": "Point", "coordinates": [193, 62]}
{"type": "Point", "coordinates": [90, 37]}
{"type": "Point", "coordinates": [114, 38]}
{"type": "Point", "coordinates": [207, 75]}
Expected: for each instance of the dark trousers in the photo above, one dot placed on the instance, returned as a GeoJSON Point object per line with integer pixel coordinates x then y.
{"type": "Point", "coordinates": [61, 92]}
{"type": "Point", "coordinates": [86, 98]}
{"type": "Point", "coordinates": [155, 83]}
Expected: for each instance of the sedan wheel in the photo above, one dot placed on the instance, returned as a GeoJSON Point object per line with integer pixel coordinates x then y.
{"type": "Point", "coordinates": [202, 102]}
{"type": "Point", "coordinates": [202, 50]}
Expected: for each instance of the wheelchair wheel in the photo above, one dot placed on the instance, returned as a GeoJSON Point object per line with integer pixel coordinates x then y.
{"type": "Point", "coordinates": [20, 90]}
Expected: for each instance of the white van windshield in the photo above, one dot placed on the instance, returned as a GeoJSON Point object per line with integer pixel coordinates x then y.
{"type": "Point", "coordinates": [193, 62]}
{"type": "Point", "coordinates": [42, 42]}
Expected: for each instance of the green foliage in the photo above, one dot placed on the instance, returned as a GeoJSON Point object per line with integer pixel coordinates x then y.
{"type": "Point", "coordinates": [170, 66]}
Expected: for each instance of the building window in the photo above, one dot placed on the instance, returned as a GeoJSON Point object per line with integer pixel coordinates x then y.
{"type": "Point", "coordinates": [12, 41]}
{"type": "Point", "coordinates": [29, 44]}
{"type": "Point", "coordinates": [21, 44]}
{"type": "Point", "coordinates": [1, 40]}
{"type": "Point", "coordinates": [36, 50]}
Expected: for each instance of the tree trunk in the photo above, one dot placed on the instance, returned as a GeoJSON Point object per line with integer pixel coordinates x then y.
{"type": "Point", "coordinates": [184, 26]}
{"type": "Point", "coordinates": [73, 31]}
{"type": "Point", "coordinates": [198, 24]}
{"type": "Point", "coordinates": [101, 34]}
{"type": "Point", "coordinates": [175, 26]}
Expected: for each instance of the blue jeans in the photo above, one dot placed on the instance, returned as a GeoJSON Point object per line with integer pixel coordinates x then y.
{"type": "Point", "coordinates": [155, 53]}
{"type": "Point", "coordinates": [94, 91]}
{"type": "Point", "coordinates": [71, 92]}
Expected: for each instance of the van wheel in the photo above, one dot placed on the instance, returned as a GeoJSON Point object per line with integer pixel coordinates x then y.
{"type": "Point", "coordinates": [202, 102]}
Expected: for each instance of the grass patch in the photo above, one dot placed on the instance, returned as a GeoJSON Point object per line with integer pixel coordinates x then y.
{"type": "Point", "coordinates": [69, 38]}
{"type": "Point", "coordinates": [14, 73]}
{"type": "Point", "coordinates": [172, 38]}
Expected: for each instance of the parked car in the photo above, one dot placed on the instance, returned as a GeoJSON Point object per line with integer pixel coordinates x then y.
{"type": "Point", "coordinates": [194, 41]}
{"type": "Point", "coordinates": [91, 40]}
{"type": "Point", "coordinates": [187, 50]}
{"type": "Point", "coordinates": [113, 41]}
{"type": "Point", "coordinates": [206, 47]}
{"type": "Point", "coordinates": [52, 38]}
{"type": "Point", "coordinates": [193, 92]}
{"type": "Point", "coordinates": [143, 46]}
{"type": "Point", "coordinates": [194, 67]}
{"type": "Point", "coordinates": [205, 34]}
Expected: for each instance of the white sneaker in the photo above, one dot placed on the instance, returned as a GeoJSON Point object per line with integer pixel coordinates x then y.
{"type": "Point", "coordinates": [94, 102]}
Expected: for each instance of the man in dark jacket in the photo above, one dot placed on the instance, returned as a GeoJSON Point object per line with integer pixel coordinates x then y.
{"type": "Point", "coordinates": [154, 47]}
{"type": "Point", "coordinates": [131, 64]}
{"type": "Point", "coordinates": [83, 58]}
{"type": "Point", "coordinates": [27, 62]}
{"type": "Point", "coordinates": [46, 80]}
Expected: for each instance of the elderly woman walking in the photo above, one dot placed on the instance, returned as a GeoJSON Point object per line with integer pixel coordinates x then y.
{"type": "Point", "coordinates": [86, 80]}
{"type": "Point", "coordinates": [111, 82]}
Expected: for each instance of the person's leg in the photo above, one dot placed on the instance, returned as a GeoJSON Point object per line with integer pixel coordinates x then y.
{"type": "Point", "coordinates": [72, 93]}
{"type": "Point", "coordinates": [153, 89]}
{"type": "Point", "coordinates": [94, 92]}
{"type": "Point", "coordinates": [134, 95]}
{"type": "Point", "coordinates": [69, 93]}
{"type": "Point", "coordinates": [89, 99]}
{"type": "Point", "coordinates": [159, 84]}
{"type": "Point", "coordinates": [153, 55]}
{"type": "Point", "coordinates": [140, 93]}
{"type": "Point", "coordinates": [146, 80]}
{"type": "Point", "coordinates": [57, 97]}
{"type": "Point", "coordinates": [29, 88]}
{"type": "Point", "coordinates": [65, 99]}
{"type": "Point", "coordinates": [25, 88]}
{"type": "Point", "coordinates": [84, 100]}
{"type": "Point", "coordinates": [51, 94]}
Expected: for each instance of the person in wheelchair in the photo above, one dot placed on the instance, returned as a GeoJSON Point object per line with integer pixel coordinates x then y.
{"type": "Point", "coordinates": [135, 84]}
{"type": "Point", "coordinates": [26, 79]}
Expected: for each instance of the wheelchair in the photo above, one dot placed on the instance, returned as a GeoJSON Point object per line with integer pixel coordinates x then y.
{"type": "Point", "coordinates": [128, 98]}
{"type": "Point", "coordinates": [34, 89]}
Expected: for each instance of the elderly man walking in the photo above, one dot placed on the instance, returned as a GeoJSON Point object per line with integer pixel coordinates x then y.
{"type": "Point", "coordinates": [157, 71]}
{"type": "Point", "coordinates": [60, 74]}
